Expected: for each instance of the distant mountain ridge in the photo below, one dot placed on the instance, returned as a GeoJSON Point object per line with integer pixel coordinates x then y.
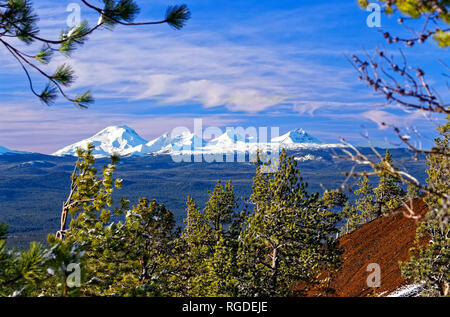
{"type": "Point", "coordinates": [4, 150]}
{"type": "Point", "coordinates": [124, 141]}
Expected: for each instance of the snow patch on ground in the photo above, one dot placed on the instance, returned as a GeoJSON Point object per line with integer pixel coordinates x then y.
{"type": "Point", "coordinates": [412, 290]}
{"type": "Point", "coordinates": [308, 157]}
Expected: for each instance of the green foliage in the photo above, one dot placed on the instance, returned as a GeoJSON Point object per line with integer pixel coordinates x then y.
{"type": "Point", "coordinates": [439, 167]}
{"type": "Point", "coordinates": [442, 38]}
{"type": "Point", "coordinates": [334, 198]}
{"type": "Point", "coordinates": [3, 231]}
{"type": "Point", "coordinates": [31, 272]}
{"type": "Point", "coordinates": [222, 251]}
{"type": "Point", "coordinates": [210, 241]}
{"type": "Point", "coordinates": [177, 16]}
{"type": "Point", "coordinates": [372, 202]}
{"type": "Point", "coordinates": [60, 257]}
{"type": "Point", "coordinates": [389, 193]}
{"type": "Point", "coordinates": [289, 236]}
{"type": "Point", "coordinates": [412, 192]}
{"type": "Point", "coordinates": [21, 271]}
{"type": "Point", "coordinates": [430, 257]}
{"type": "Point", "coordinates": [135, 258]}
{"type": "Point", "coordinates": [19, 20]}
{"type": "Point", "coordinates": [73, 37]}
{"type": "Point", "coordinates": [116, 11]}
{"type": "Point", "coordinates": [83, 99]}
{"type": "Point", "coordinates": [64, 75]}
{"type": "Point", "coordinates": [44, 56]}
{"type": "Point", "coordinates": [429, 263]}
{"type": "Point", "coordinates": [363, 210]}
{"type": "Point", "coordinates": [22, 20]}
{"type": "Point", "coordinates": [91, 197]}
{"type": "Point", "coordinates": [49, 94]}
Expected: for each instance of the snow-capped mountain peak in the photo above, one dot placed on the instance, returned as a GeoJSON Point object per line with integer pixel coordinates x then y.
{"type": "Point", "coordinates": [296, 136]}
{"type": "Point", "coordinates": [114, 139]}
{"type": "Point", "coordinates": [188, 141]}
{"type": "Point", "coordinates": [124, 141]}
{"type": "Point", "coordinates": [229, 137]}
{"type": "Point", "coordinates": [233, 136]}
{"type": "Point", "coordinates": [170, 142]}
{"type": "Point", "coordinates": [159, 143]}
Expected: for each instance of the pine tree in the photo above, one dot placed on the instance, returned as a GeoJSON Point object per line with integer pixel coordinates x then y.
{"type": "Point", "coordinates": [90, 197]}
{"type": "Point", "coordinates": [408, 87]}
{"type": "Point", "coordinates": [89, 204]}
{"type": "Point", "coordinates": [210, 238]}
{"type": "Point", "coordinates": [136, 258]}
{"type": "Point", "coordinates": [194, 252]}
{"type": "Point", "coordinates": [363, 210]}
{"type": "Point", "coordinates": [289, 236]}
{"type": "Point", "coordinates": [20, 271]}
{"type": "Point", "coordinates": [35, 271]}
{"type": "Point", "coordinates": [412, 192]}
{"type": "Point", "coordinates": [429, 263]}
{"type": "Point", "coordinates": [389, 193]}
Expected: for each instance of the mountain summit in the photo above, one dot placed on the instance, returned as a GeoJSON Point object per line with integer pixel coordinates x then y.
{"type": "Point", "coordinates": [296, 136]}
{"type": "Point", "coordinates": [115, 139]}
{"type": "Point", "coordinates": [126, 142]}
{"type": "Point", "coordinates": [169, 143]}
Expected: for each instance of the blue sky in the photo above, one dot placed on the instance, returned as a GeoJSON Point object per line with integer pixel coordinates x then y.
{"type": "Point", "coordinates": [237, 63]}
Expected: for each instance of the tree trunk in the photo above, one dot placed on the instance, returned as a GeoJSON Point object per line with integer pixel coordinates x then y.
{"type": "Point", "coordinates": [274, 268]}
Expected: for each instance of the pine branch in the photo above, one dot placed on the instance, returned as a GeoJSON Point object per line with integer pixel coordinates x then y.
{"type": "Point", "coordinates": [20, 21]}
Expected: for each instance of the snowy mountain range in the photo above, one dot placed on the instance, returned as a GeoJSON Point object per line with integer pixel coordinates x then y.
{"type": "Point", "coordinates": [124, 141]}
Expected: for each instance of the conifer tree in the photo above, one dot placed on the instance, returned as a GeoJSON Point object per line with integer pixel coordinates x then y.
{"type": "Point", "coordinates": [35, 271]}
{"type": "Point", "coordinates": [89, 204]}
{"type": "Point", "coordinates": [389, 193]}
{"type": "Point", "coordinates": [210, 238]}
{"type": "Point", "coordinates": [412, 192]}
{"type": "Point", "coordinates": [364, 208]}
{"type": "Point", "coordinates": [429, 263]}
{"type": "Point", "coordinates": [194, 251]}
{"type": "Point", "coordinates": [20, 271]}
{"type": "Point", "coordinates": [289, 236]}
{"type": "Point", "coordinates": [408, 87]}
{"type": "Point", "coordinates": [90, 197]}
{"type": "Point", "coordinates": [135, 258]}
{"type": "Point", "coordinates": [131, 258]}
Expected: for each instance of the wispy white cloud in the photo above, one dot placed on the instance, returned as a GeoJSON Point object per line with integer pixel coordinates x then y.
{"type": "Point", "coordinates": [206, 66]}
{"type": "Point", "coordinates": [203, 65]}
{"type": "Point", "coordinates": [49, 129]}
{"type": "Point", "coordinates": [226, 68]}
{"type": "Point", "coordinates": [386, 120]}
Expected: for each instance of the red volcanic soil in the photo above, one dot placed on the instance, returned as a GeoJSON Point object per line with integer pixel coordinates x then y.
{"type": "Point", "coordinates": [384, 241]}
